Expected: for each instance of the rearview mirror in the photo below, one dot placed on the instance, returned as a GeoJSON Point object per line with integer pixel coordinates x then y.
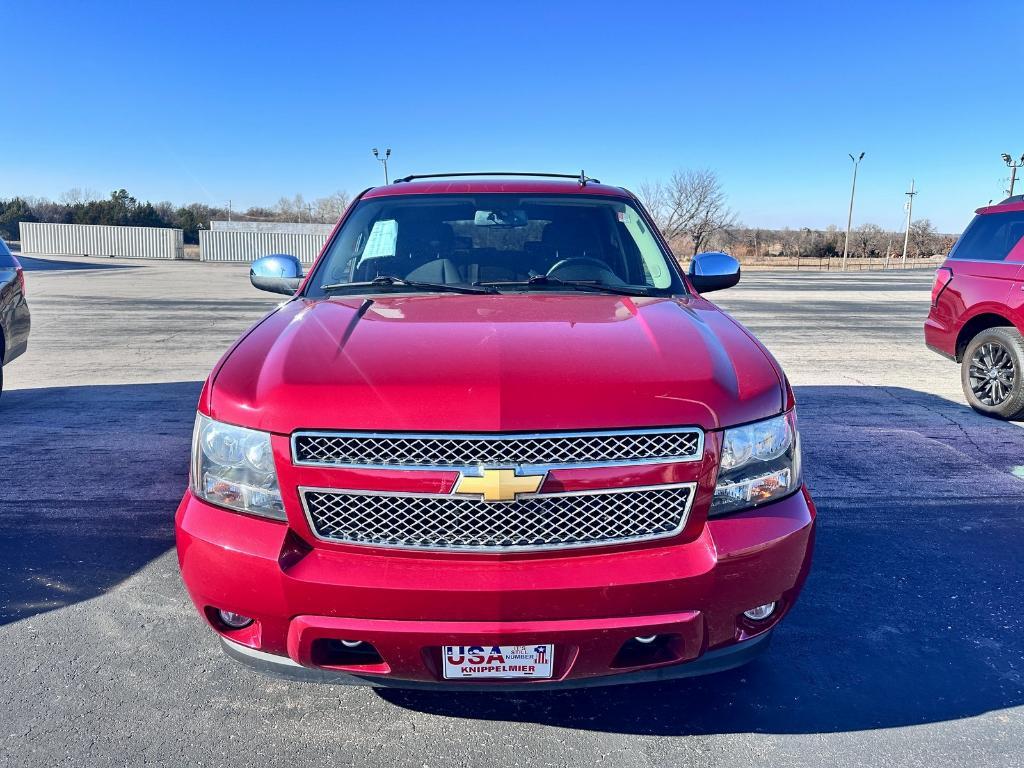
{"type": "Point", "coordinates": [279, 273]}
{"type": "Point", "coordinates": [713, 271]}
{"type": "Point", "coordinates": [516, 218]}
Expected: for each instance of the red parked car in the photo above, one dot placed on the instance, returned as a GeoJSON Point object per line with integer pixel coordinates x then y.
{"type": "Point", "coordinates": [977, 311]}
{"type": "Point", "coordinates": [495, 439]}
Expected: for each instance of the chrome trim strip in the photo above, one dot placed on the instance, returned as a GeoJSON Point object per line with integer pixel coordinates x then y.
{"type": "Point", "coordinates": [954, 259]}
{"type": "Point", "coordinates": [698, 453]}
{"type": "Point", "coordinates": [684, 518]}
{"type": "Point", "coordinates": [269, 658]}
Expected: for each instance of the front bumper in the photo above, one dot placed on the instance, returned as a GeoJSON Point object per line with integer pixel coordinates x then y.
{"type": "Point", "coordinates": [718, 660]}
{"type": "Point", "coordinates": [588, 603]}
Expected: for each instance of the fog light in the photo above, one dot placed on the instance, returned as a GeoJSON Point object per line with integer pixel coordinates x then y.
{"type": "Point", "coordinates": [234, 620]}
{"type": "Point", "coordinates": [760, 613]}
{"type": "Point", "coordinates": [646, 639]}
{"type": "Point", "coordinates": [351, 643]}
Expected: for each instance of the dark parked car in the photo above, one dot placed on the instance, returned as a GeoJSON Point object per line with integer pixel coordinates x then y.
{"type": "Point", "coordinates": [977, 312]}
{"type": "Point", "coordinates": [14, 316]}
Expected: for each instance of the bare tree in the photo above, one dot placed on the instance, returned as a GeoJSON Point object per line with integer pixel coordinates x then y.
{"type": "Point", "coordinates": [77, 195]}
{"type": "Point", "coordinates": [260, 213]}
{"type": "Point", "coordinates": [869, 239]}
{"type": "Point", "coordinates": [328, 210]}
{"type": "Point", "coordinates": [924, 239]}
{"type": "Point", "coordinates": [691, 206]}
{"type": "Point", "coordinates": [292, 209]}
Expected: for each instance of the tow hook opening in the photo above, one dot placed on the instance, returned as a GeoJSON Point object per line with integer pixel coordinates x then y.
{"type": "Point", "coordinates": [648, 650]}
{"type": "Point", "coordinates": [328, 652]}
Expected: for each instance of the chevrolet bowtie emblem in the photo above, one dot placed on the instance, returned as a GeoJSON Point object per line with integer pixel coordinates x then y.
{"type": "Point", "coordinates": [498, 484]}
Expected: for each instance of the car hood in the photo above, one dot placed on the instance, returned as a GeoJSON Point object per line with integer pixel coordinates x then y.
{"type": "Point", "coordinates": [480, 363]}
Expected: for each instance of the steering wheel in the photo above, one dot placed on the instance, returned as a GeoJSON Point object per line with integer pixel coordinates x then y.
{"type": "Point", "coordinates": [573, 260]}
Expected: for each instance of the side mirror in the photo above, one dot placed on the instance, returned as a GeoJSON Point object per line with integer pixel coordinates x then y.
{"type": "Point", "coordinates": [713, 271]}
{"type": "Point", "coordinates": [279, 273]}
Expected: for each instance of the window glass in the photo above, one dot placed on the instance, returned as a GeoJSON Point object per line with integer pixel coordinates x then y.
{"type": "Point", "coordinates": [6, 259]}
{"type": "Point", "coordinates": [990, 237]}
{"type": "Point", "coordinates": [496, 239]}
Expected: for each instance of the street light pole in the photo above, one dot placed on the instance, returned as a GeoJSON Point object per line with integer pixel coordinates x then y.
{"type": "Point", "coordinates": [1014, 165]}
{"type": "Point", "coordinates": [384, 160]}
{"type": "Point", "coordinates": [910, 210]}
{"type": "Point", "coordinates": [849, 215]}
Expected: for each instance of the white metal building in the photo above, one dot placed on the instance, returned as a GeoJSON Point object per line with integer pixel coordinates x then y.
{"type": "Point", "coordinates": [288, 227]}
{"type": "Point", "coordinates": [102, 240]}
{"type": "Point", "coordinates": [246, 246]}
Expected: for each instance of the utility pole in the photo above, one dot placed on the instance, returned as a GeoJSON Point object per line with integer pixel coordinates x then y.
{"type": "Point", "coordinates": [910, 210]}
{"type": "Point", "coordinates": [1014, 165]}
{"type": "Point", "coordinates": [229, 210]}
{"type": "Point", "coordinates": [849, 216]}
{"type": "Point", "coordinates": [384, 160]}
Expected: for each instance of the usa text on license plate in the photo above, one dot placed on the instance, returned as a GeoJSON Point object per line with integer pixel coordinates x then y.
{"type": "Point", "coordinates": [471, 661]}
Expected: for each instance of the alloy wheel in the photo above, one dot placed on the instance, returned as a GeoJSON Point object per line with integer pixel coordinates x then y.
{"type": "Point", "coordinates": [992, 374]}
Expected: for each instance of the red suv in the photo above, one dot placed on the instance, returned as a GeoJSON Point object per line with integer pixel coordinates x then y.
{"type": "Point", "coordinates": [495, 438]}
{"type": "Point", "coordinates": [977, 309]}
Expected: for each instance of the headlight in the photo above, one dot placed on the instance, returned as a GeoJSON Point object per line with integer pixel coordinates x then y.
{"type": "Point", "coordinates": [233, 467]}
{"type": "Point", "coordinates": [759, 463]}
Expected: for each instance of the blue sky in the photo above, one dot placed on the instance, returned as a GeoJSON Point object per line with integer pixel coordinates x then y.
{"type": "Point", "coordinates": [251, 101]}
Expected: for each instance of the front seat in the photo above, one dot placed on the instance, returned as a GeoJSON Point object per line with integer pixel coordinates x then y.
{"type": "Point", "coordinates": [436, 271]}
{"type": "Point", "coordinates": [575, 239]}
{"type": "Point", "coordinates": [428, 245]}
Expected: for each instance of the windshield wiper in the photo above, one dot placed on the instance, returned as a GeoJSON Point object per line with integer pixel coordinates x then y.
{"type": "Point", "coordinates": [576, 285]}
{"type": "Point", "coordinates": [390, 281]}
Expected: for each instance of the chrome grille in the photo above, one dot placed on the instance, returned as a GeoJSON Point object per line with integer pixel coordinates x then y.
{"type": "Point", "coordinates": [546, 449]}
{"type": "Point", "coordinates": [541, 521]}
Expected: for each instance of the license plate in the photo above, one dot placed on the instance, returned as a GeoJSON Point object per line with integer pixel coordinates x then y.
{"type": "Point", "coordinates": [467, 662]}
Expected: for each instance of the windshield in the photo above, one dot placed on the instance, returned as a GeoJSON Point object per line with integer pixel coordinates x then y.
{"type": "Point", "coordinates": [510, 242]}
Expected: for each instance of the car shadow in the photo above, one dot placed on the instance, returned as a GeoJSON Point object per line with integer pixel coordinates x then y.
{"type": "Point", "coordinates": [90, 478]}
{"type": "Point", "coordinates": [912, 610]}
{"type": "Point", "coordinates": [37, 264]}
{"type": "Point", "coordinates": [911, 613]}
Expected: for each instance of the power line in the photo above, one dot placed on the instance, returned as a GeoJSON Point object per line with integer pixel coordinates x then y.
{"type": "Point", "coordinates": [849, 216]}
{"type": "Point", "coordinates": [1014, 165]}
{"type": "Point", "coordinates": [910, 209]}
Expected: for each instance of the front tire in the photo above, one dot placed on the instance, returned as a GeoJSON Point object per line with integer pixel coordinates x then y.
{"type": "Point", "coordinates": [992, 373]}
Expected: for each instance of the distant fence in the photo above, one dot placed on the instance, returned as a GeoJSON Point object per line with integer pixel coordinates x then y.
{"type": "Point", "coordinates": [102, 240]}
{"type": "Point", "coordinates": [853, 263]}
{"type": "Point", "coordinates": [245, 246]}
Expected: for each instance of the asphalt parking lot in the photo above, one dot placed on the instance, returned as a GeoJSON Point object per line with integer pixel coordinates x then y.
{"type": "Point", "coordinates": [906, 648]}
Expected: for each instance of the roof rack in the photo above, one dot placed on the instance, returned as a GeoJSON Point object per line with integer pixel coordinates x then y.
{"type": "Point", "coordinates": [581, 177]}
